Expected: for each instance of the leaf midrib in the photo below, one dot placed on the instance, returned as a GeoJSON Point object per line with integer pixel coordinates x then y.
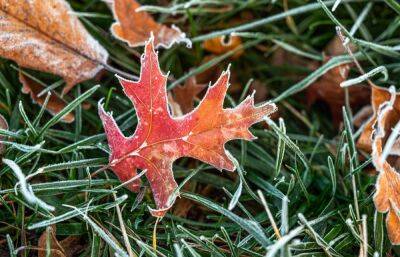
{"type": "Point", "coordinates": [65, 46]}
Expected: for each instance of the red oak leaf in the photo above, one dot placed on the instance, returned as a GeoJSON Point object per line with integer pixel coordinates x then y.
{"type": "Point", "coordinates": [160, 139]}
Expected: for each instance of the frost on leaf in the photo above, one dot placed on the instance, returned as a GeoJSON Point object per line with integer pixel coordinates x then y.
{"type": "Point", "coordinates": [379, 95]}
{"type": "Point", "coordinates": [45, 35]}
{"type": "Point", "coordinates": [386, 162]}
{"type": "Point", "coordinates": [134, 27]}
{"type": "Point", "coordinates": [160, 139]}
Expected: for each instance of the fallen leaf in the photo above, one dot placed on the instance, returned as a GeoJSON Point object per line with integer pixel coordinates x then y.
{"type": "Point", "coordinates": [174, 106]}
{"type": "Point", "coordinates": [68, 247]}
{"type": "Point", "coordinates": [281, 57]}
{"type": "Point", "coordinates": [160, 139]}
{"type": "Point", "coordinates": [379, 95]}
{"type": "Point", "coordinates": [260, 91]}
{"type": "Point", "coordinates": [327, 89]}
{"type": "Point", "coordinates": [362, 115]}
{"type": "Point", "coordinates": [73, 245]}
{"type": "Point", "coordinates": [45, 35]}
{"type": "Point", "coordinates": [335, 47]}
{"type": "Point", "coordinates": [55, 103]}
{"type": "Point", "coordinates": [3, 125]}
{"type": "Point", "coordinates": [134, 27]}
{"type": "Point", "coordinates": [55, 247]}
{"type": "Point", "coordinates": [221, 45]}
{"type": "Point", "coordinates": [186, 94]}
{"type": "Point", "coordinates": [387, 196]}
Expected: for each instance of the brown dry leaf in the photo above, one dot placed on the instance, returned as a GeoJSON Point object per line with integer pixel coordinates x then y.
{"type": "Point", "coordinates": [379, 96]}
{"type": "Point", "coordinates": [183, 205]}
{"type": "Point", "coordinates": [362, 116]}
{"type": "Point", "coordinates": [186, 94]}
{"type": "Point", "coordinates": [55, 103]}
{"type": "Point", "coordinates": [67, 247]}
{"type": "Point", "coordinates": [327, 87]}
{"type": "Point", "coordinates": [3, 125]}
{"type": "Point", "coordinates": [261, 91]}
{"type": "Point", "coordinates": [387, 196]}
{"type": "Point", "coordinates": [174, 106]}
{"type": "Point", "coordinates": [335, 47]}
{"type": "Point", "coordinates": [72, 245]}
{"type": "Point", "coordinates": [135, 27]}
{"type": "Point", "coordinates": [45, 35]}
{"type": "Point", "coordinates": [56, 249]}
{"type": "Point", "coordinates": [281, 57]}
{"type": "Point", "coordinates": [219, 45]}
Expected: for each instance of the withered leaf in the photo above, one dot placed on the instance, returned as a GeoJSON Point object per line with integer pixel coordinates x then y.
{"type": "Point", "coordinates": [160, 139]}
{"type": "Point", "coordinates": [186, 94]}
{"type": "Point", "coordinates": [68, 247]}
{"type": "Point", "coordinates": [327, 87]}
{"type": "Point", "coordinates": [260, 91]}
{"type": "Point", "coordinates": [387, 196]}
{"type": "Point", "coordinates": [3, 125]}
{"type": "Point", "coordinates": [174, 106]}
{"type": "Point", "coordinates": [45, 35]}
{"type": "Point", "coordinates": [55, 103]}
{"type": "Point", "coordinates": [134, 27]}
{"type": "Point", "coordinates": [55, 247]}
{"type": "Point", "coordinates": [281, 57]}
{"type": "Point", "coordinates": [379, 95]}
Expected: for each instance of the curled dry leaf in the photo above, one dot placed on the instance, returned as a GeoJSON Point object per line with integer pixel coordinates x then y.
{"type": "Point", "coordinates": [221, 45]}
{"type": "Point", "coordinates": [55, 103]}
{"type": "Point", "coordinates": [387, 196]}
{"type": "Point", "coordinates": [45, 35]}
{"type": "Point", "coordinates": [186, 94]}
{"type": "Point", "coordinates": [134, 27]}
{"type": "Point", "coordinates": [160, 139]}
{"type": "Point", "coordinates": [379, 95]}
